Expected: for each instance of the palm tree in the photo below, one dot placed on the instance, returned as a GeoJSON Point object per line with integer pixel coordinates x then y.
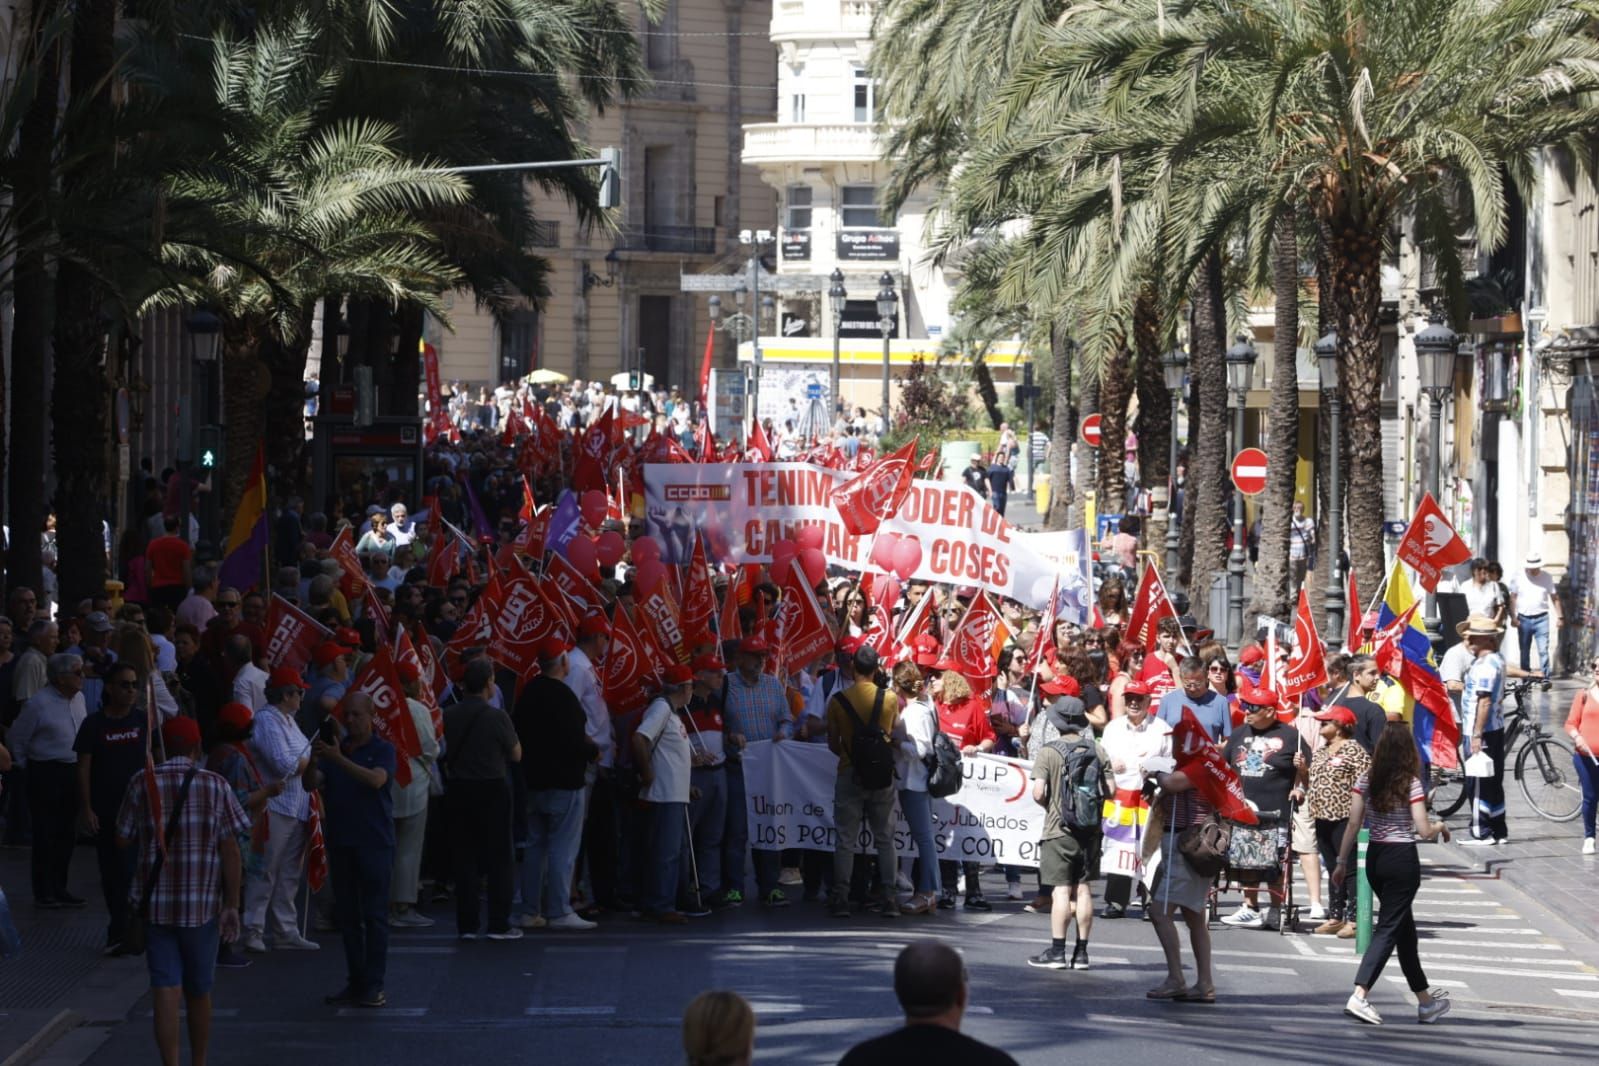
{"type": "Point", "coordinates": [1272, 594]}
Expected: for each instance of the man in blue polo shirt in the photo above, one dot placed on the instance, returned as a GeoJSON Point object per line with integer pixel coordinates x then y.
{"type": "Point", "coordinates": [360, 837]}
{"type": "Point", "coordinates": [1208, 705]}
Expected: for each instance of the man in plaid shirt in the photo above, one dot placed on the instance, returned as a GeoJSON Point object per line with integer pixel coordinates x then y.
{"type": "Point", "coordinates": [200, 871]}
{"type": "Point", "coordinates": [756, 708]}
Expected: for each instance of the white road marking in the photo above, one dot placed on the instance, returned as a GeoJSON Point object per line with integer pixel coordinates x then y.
{"type": "Point", "coordinates": [1398, 980]}
{"type": "Point", "coordinates": [414, 949]}
{"type": "Point", "coordinates": [382, 1012]}
{"type": "Point", "coordinates": [568, 1012]}
{"type": "Point", "coordinates": [1233, 967]}
{"type": "Point", "coordinates": [776, 1006]}
{"type": "Point", "coordinates": [1577, 993]}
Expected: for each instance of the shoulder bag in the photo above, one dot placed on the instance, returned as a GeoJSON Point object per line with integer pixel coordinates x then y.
{"type": "Point", "coordinates": [135, 934]}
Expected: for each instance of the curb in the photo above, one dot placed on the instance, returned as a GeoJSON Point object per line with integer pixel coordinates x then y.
{"type": "Point", "coordinates": [41, 1041]}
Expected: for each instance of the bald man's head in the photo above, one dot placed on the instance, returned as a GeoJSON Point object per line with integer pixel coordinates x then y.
{"type": "Point", "coordinates": [929, 979]}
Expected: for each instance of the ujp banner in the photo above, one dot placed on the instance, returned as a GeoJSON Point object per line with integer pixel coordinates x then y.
{"type": "Point", "coordinates": [992, 818]}
{"type": "Point", "coordinates": [743, 509]}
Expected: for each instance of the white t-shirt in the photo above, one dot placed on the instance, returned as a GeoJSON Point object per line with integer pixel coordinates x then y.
{"type": "Point", "coordinates": [1481, 599]}
{"type": "Point", "coordinates": [1132, 746]}
{"type": "Point", "coordinates": [1532, 591]}
{"type": "Point", "coordinates": [671, 760]}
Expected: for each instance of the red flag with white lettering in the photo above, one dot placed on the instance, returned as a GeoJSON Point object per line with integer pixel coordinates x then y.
{"type": "Point", "coordinates": [699, 597]}
{"type": "Point", "coordinates": [1307, 668]}
{"type": "Point", "coordinates": [523, 618]}
{"type": "Point", "coordinates": [572, 582]}
{"type": "Point", "coordinates": [760, 447]}
{"type": "Point", "coordinates": [407, 652]}
{"type": "Point", "coordinates": [658, 618]}
{"type": "Point", "coordinates": [292, 635]}
{"type": "Point", "coordinates": [1431, 544]}
{"type": "Point", "coordinates": [353, 581]}
{"type": "Point", "coordinates": [977, 639]}
{"type": "Point", "coordinates": [391, 717]}
{"type": "Point", "coordinates": [867, 500]}
{"type": "Point", "coordinates": [1046, 627]}
{"type": "Point", "coordinates": [379, 614]}
{"type": "Point", "coordinates": [626, 670]}
{"type": "Point", "coordinates": [728, 626]}
{"type": "Point", "coordinates": [594, 453]}
{"type": "Point", "coordinates": [1201, 762]}
{"type": "Point", "coordinates": [800, 628]}
{"type": "Point", "coordinates": [1150, 605]}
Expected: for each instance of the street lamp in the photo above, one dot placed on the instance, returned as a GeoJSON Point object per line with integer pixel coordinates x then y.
{"type": "Point", "coordinates": [754, 239]}
{"type": "Point", "coordinates": [1174, 367]}
{"type": "Point", "coordinates": [204, 331]}
{"type": "Point", "coordinates": [887, 317]}
{"type": "Point", "coordinates": [836, 293]}
{"type": "Point", "coordinates": [1436, 348]}
{"type": "Point", "coordinates": [1326, 350]}
{"type": "Point", "coordinates": [1240, 360]}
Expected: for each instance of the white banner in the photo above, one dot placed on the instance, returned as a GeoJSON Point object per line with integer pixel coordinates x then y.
{"type": "Point", "coordinates": [742, 509]}
{"type": "Point", "coordinates": [789, 795]}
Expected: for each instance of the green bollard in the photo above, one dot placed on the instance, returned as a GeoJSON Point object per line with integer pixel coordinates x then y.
{"type": "Point", "coordinates": [1362, 894]}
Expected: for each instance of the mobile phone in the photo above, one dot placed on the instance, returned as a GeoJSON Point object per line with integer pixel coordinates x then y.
{"type": "Point", "coordinates": [329, 731]}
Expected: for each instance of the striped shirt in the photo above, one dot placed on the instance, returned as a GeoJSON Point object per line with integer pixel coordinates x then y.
{"type": "Point", "coordinates": [1390, 827]}
{"type": "Point", "coordinates": [279, 747]}
{"type": "Point", "coordinates": [757, 712]}
{"type": "Point", "coordinates": [189, 889]}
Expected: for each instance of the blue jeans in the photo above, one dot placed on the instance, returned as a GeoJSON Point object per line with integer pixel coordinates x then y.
{"type": "Point", "coordinates": [707, 818]}
{"type": "Point", "coordinates": [361, 905]}
{"type": "Point", "coordinates": [183, 955]}
{"type": "Point", "coordinates": [918, 810]}
{"type": "Point", "coordinates": [668, 823]}
{"type": "Point", "coordinates": [554, 832]}
{"type": "Point", "coordinates": [1588, 775]}
{"type": "Point", "coordinates": [1528, 629]}
{"type": "Point", "coordinates": [736, 839]}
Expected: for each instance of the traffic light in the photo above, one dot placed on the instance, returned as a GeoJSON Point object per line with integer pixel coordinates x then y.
{"type": "Point", "coordinates": [208, 450]}
{"type": "Point", "coordinates": [610, 192]}
{"type": "Point", "coordinates": [634, 383]}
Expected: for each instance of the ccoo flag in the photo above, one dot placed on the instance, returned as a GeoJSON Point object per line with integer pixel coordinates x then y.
{"type": "Point", "coordinates": [245, 560]}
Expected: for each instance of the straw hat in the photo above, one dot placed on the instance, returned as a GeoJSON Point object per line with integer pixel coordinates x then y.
{"type": "Point", "coordinates": [1480, 625]}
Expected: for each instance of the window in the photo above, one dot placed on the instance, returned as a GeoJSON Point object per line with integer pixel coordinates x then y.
{"type": "Point", "coordinates": [796, 107]}
{"type": "Point", "coordinates": [799, 207]}
{"type": "Point", "coordinates": [719, 211]}
{"type": "Point", "coordinates": [858, 207]}
{"type": "Point", "coordinates": [865, 97]}
{"type": "Point", "coordinates": [660, 41]}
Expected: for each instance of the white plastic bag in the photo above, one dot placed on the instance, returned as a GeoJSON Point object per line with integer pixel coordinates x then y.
{"type": "Point", "coordinates": [1480, 765]}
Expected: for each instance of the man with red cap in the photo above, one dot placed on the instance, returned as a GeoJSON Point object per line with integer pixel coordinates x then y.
{"type": "Point", "coordinates": [707, 809]}
{"type": "Point", "coordinates": [282, 754]}
{"type": "Point", "coordinates": [1129, 741]}
{"type": "Point", "coordinates": [664, 759]}
{"type": "Point", "coordinates": [1263, 753]}
{"type": "Point", "coordinates": [755, 708]}
{"type": "Point", "coordinates": [551, 727]}
{"type": "Point", "coordinates": [187, 892]}
{"type": "Point", "coordinates": [331, 659]}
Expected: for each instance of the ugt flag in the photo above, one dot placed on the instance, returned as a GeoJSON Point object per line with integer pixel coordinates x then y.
{"type": "Point", "coordinates": [1431, 544]}
{"type": "Point", "coordinates": [870, 498]}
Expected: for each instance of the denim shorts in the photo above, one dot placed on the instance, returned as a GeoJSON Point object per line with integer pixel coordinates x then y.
{"type": "Point", "coordinates": [183, 955]}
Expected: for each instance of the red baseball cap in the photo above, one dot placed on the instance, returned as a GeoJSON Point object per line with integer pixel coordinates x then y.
{"type": "Point", "coordinates": [677, 674]}
{"type": "Point", "coordinates": [1255, 695]}
{"type": "Point", "coordinates": [552, 647]}
{"type": "Point", "coordinates": [755, 646]}
{"type": "Point", "coordinates": [1135, 688]}
{"type": "Point", "coordinates": [1063, 685]}
{"type": "Point", "coordinates": [347, 636]}
{"type": "Point", "coordinates": [327, 651]}
{"type": "Point", "coordinates": [593, 625]}
{"type": "Point", "coordinates": [408, 672]}
{"type": "Point", "coordinates": [1341, 715]}
{"type": "Point", "coordinates": [236, 716]}
{"type": "Point", "coordinates": [927, 651]}
{"type": "Point", "coordinates": [707, 662]}
{"type": "Point", "coordinates": [286, 677]}
{"type": "Point", "coordinates": [1251, 654]}
{"type": "Point", "coordinates": [181, 732]}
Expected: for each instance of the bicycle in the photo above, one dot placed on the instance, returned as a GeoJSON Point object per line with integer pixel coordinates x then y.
{"type": "Point", "coordinates": [1543, 766]}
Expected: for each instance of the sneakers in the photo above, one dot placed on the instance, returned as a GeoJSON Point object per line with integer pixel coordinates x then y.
{"type": "Point", "coordinates": [1051, 958]}
{"type": "Point", "coordinates": [1428, 1013]}
{"type": "Point", "coordinates": [530, 921]}
{"type": "Point", "coordinates": [1347, 932]}
{"type": "Point", "coordinates": [1478, 842]}
{"type": "Point", "coordinates": [731, 898]}
{"type": "Point", "coordinates": [467, 936]}
{"type": "Point", "coordinates": [1273, 918]}
{"type": "Point", "coordinates": [1080, 958]}
{"type": "Point", "coordinates": [409, 919]}
{"type": "Point", "coordinates": [572, 920]}
{"type": "Point", "coordinates": [228, 959]}
{"type": "Point", "coordinates": [294, 942]}
{"type": "Point", "coordinates": [1357, 1007]}
{"type": "Point", "coordinates": [254, 943]}
{"type": "Point", "coordinates": [791, 875]}
{"type": "Point", "coordinates": [920, 903]}
{"type": "Point", "coordinates": [373, 998]}
{"type": "Point", "coordinates": [890, 908]}
{"type": "Point", "coordinates": [1113, 911]}
{"type": "Point", "coordinates": [1329, 927]}
{"type": "Point", "coordinates": [1245, 918]}
{"type": "Point", "coordinates": [978, 903]}
{"type": "Point", "coordinates": [344, 997]}
{"type": "Point", "coordinates": [70, 902]}
{"type": "Point", "coordinates": [903, 883]}
{"type": "Point", "coordinates": [1039, 905]}
{"type": "Point", "coordinates": [513, 933]}
{"type": "Point", "coordinates": [1316, 913]}
{"type": "Point", "coordinates": [1014, 892]}
{"type": "Point", "coordinates": [774, 898]}
{"type": "Point", "coordinates": [1587, 846]}
{"type": "Point", "coordinates": [946, 901]}
{"type": "Point", "coordinates": [838, 907]}
{"type": "Point", "coordinates": [669, 918]}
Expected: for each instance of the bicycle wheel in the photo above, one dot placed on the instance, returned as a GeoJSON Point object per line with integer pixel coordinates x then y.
{"type": "Point", "coordinates": [1548, 779]}
{"type": "Point", "coordinates": [1448, 791]}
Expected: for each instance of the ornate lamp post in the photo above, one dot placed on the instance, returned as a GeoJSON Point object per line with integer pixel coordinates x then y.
{"type": "Point", "coordinates": [1326, 350]}
{"type": "Point", "coordinates": [1174, 367]}
{"type": "Point", "coordinates": [1240, 360]}
{"type": "Point", "coordinates": [837, 294]}
{"type": "Point", "coordinates": [1436, 348]}
{"type": "Point", "coordinates": [887, 317]}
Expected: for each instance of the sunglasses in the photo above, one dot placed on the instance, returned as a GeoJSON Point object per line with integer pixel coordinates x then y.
{"type": "Point", "coordinates": [1216, 668]}
{"type": "Point", "coordinates": [124, 684]}
{"type": "Point", "coordinates": [227, 603]}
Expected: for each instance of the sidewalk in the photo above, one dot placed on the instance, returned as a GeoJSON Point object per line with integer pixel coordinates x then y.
{"type": "Point", "coordinates": [59, 998]}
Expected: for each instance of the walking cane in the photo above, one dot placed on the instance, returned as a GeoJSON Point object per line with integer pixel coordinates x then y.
{"type": "Point", "coordinates": [694, 866]}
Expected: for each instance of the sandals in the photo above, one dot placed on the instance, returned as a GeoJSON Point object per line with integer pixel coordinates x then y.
{"type": "Point", "coordinates": [1196, 995]}
{"type": "Point", "coordinates": [1167, 992]}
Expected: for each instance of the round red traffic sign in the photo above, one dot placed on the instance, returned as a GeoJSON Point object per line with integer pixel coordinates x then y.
{"type": "Point", "coordinates": [1089, 431]}
{"type": "Point", "coordinates": [1249, 471]}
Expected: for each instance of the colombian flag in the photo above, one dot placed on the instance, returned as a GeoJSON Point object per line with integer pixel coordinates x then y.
{"type": "Point", "coordinates": [1427, 702]}
{"type": "Point", "coordinates": [245, 559]}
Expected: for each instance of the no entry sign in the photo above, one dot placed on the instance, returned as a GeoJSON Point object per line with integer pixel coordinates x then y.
{"type": "Point", "coordinates": [1249, 471]}
{"type": "Point", "coordinates": [1089, 431]}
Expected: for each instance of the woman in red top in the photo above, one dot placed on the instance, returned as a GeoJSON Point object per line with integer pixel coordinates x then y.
{"type": "Point", "coordinates": [1582, 726]}
{"type": "Point", "coordinates": [963, 717]}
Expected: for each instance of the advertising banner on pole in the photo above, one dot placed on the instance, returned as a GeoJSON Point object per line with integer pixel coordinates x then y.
{"type": "Point", "coordinates": [742, 509]}
{"type": "Point", "coordinates": [992, 818]}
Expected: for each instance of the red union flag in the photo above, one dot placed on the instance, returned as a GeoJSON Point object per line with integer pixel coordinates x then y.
{"type": "Point", "coordinates": [1431, 544]}
{"type": "Point", "coordinates": [658, 616]}
{"type": "Point", "coordinates": [626, 669]}
{"type": "Point", "coordinates": [477, 625]}
{"type": "Point", "coordinates": [523, 619]}
{"type": "Point", "coordinates": [353, 581]}
{"type": "Point", "coordinates": [977, 638]}
{"type": "Point", "coordinates": [427, 670]}
{"type": "Point", "coordinates": [292, 635]}
{"type": "Point", "coordinates": [801, 631]}
{"type": "Point", "coordinates": [728, 626]}
{"type": "Point", "coordinates": [1202, 763]}
{"type": "Point", "coordinates": [870, 498]}
{"type": "Point", "coordinates": [699, 598]}
{"type": "Point", "coordinates": [1308, 666]}
{"type": "Point", "coordinates": [392, 718]}
{"type": "Point", "coordinates": [1149, 607]}
{"type": "Point", "coordinates": [571, 581]}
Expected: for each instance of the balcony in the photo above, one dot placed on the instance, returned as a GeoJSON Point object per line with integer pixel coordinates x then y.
{"type": "Point", "coordinates": [680, 240]}
{"type": "Point", "coordinates": [822, 19]}
{"type": "Point", "coordinates": [785, 142]}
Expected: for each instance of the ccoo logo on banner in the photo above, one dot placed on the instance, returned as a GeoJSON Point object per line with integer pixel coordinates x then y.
{"type": "Point", "coordinates": [789, 791]}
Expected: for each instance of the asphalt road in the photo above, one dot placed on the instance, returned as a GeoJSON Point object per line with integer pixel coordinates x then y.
{"type": "Point", "coordinates": [1523, 985]}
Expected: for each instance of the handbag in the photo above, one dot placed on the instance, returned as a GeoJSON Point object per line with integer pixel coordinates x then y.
{"type": "Point", "coordinates": [1252, 849]}
{"type": "Point", "coordinates": [1205, 845]}
{"type": "Point", "coordinates": [135, 933]}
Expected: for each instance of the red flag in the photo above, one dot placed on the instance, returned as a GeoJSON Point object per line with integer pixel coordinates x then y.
{"type": "Point", "coordinates": [523, 618]}
{"type": "Point", "coordinates": [759, 446]}
{"type": "Point", "coordinates": [391, 717]}
{"type": "Point", "coordinates": [658, 618]}
{"type": "Point", "coordinates": [1201, 762]}
{"type": "Point", "coordinates": [594, 453]}
{"type": "Point", "coordinates": [977, 639]}
{"type": "Point", "coordinates": [444, 556]}
{"type": "Point", "coordinates": [379, 614]}
{"type": "Point", "coordinates": [1385, 646]}
{"type": "Point", "coordinates": [615, 509]}
{"type": "Point", "coordinates": [569, 609]}
{"type": "Point", "coordinates": [407, 652]}
{"type": "Point", "coordinates": [881, 601]}
{"type": "Point", "coordinates": [1308, 666]}
{"type": "Point", "coordinates": [1150, 605]}
{"type": "Point", "coordinates": [572, 582]}
{"type": "Point", "coordinates": [699, 596]}
{"type": "Point", "coordinates": [917, 622]}
{"type": "Point", "coordinates": [476, 628]}
{"type": "Point", "coordinates": [316, 845]}
{"type": "Point", "coordinates": [353, 581]}
{"type": "Point", "coordinates": [802, 632]}
{"type": "Point", "coordinates": [867, 500]}
{"type": "Point", "coordinates": [542, 445]}
{"type": "Point", "coordinates": [728, 626]}
{"type": "Point", "coordinates": [1352, 641]}
{"type": "Point", "coordinates": [1431, 544]}
{"type": "Point", "coordinates": [626, 669]}
{"type": "Point", "coordinates": [292, 635]}
{"type": "Point", "coordinates": [1035, 654]}
{"type": "Point", "coordinates": [705, 368]}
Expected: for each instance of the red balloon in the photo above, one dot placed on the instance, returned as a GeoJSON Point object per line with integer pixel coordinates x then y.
{"type": "Point", "coordinates": [883, 546]}
{"type": "Point", "coordinates": [814, 563]}
{"type": "Point", "coordinates": [609, 548]}
{"type": "Point", "coordinates": [649, 575]}
{"type": "Point", "coordinates": [809, 537]}
{"type": "Point", "coordinates": [593, 506]}
{"type": "Point", "coordinates": [645, 548]}
{"type": "Point", "coordinates": [581, 553]}
{"type": "Point", "coordinates": [907, 557]}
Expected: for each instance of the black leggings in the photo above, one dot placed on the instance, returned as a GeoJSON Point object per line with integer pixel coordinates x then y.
{"type": "Point", "coordinates": [1394, 871]}
{"type": "Point", "coordinates": [1329, 837]}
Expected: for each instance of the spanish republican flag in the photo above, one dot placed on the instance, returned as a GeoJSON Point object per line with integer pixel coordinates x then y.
{"type": "Point", "coordinates": [245, 559]}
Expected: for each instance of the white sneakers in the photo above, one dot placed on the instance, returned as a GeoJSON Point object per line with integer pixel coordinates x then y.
{"type": "Point", "coordinates": [294, 942]}
{"type": "Point", "coordinates": [1317, 912]}
{"type": "Point", "coordinates": [791, 875]}
{"type": "Point", "coordinates": [1587, 846]}
{"type": "Point", "coordinates": [1357, 1007]}
{"type": "Point", "coordinates": [1245, 918]}
{"type": "Point", "coordinates": [1428, 1013]}
{"type": "Point", "coordinates": [254, 942]}
{"type": "Point", "coordinates": [1015, 892]}
{"type": "Point", "coordinates": [572, 920]}
{"type": "Point", "coordinates": [530, 921]}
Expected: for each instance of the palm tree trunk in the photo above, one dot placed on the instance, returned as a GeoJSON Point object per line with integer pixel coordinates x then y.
{"type": "Point", "coordinates": [1154, 426]}
{"type": "Point", "coordinates": [244, 394]}
{"type": "Point", "coordinates": [32, 312]}
{"type": "Point", "coordinates": [1272, 595]}
{"type": "Point", "coordinates": [1115, 389]}
{"type": "Point", "coordinates": [285, 413]}
{"type": "Point", "coordinates": [1355, 252]}
{"type": "Point", "coordinates": [984, 379]}
{"type": "Point", "coordinates": [1327, 552]}
{"type": "Point", "coordinates": [408, 361]}
{"type": "Point", "coordinates": [1084, 457]}
{"type": "Point", "coordinates": [1060, 444]}
{"type": "Point", "coordinates": [1207, 474]}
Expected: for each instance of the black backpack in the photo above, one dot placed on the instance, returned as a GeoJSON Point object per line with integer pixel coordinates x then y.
{"type": "Point", "coordinates": [1082, 792]}
{"type": "Point", "coordinates": [944, 772]}
{"type": "Point", "coordinates": [870, 752]}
